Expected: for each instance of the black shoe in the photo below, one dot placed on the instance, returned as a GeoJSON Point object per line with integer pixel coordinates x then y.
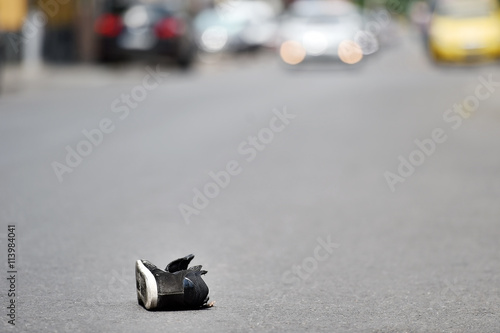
{"type": "Point", "coordinates": [176, 287]}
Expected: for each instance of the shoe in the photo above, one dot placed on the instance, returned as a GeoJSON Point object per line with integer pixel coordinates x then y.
{"type": "Point", "coordinates": [176, 287]}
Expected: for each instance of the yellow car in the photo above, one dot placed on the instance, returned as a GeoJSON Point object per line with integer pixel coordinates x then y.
{"type": "Point", "coordinates": [465, 30]}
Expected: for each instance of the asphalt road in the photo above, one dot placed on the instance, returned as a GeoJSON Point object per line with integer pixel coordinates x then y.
{"type": "Point", "coordinates": [305, 233]}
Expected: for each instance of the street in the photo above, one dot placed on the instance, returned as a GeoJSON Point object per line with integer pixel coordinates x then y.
{"type": "Point", "coordinates": [336, 200]}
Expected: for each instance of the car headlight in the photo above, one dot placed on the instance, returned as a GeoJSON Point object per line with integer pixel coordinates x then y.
{"type": "Point", "coordinates": [292, 52]}
{"type": "Point", "coordinates": [214, 39]}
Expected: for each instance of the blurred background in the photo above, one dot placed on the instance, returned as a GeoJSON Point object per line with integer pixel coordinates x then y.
{"type": "Point", "coordinates": [72, 32]}
{"type": "Point", "coordinates": [108, 31]}
{"type": "Point", "coordinates": [116, 115]}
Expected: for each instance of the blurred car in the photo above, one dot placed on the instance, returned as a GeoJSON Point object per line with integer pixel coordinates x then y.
{"type": "Point", "coordinates": [145, 29]}
{"type": "Point", "coordinates": [464, 30]}
{"type": "Point", "coordinates": [312, 30]}
{"type": "Point", "coordinates": [237, 26]}
{"type": "Point", "coordinates": [2, 57]}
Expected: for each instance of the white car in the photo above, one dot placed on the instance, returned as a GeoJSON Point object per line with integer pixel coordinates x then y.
{"type": "Point", "coordinates": [331, 30]}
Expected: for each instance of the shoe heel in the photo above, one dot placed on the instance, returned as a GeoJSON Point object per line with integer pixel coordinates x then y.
{"type": "Point", "coordinates": [147, 290]}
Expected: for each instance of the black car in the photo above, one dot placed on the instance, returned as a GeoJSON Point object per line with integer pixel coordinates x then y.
{"type": "Point", "coordinates": [145, 30]}
{"type": "Point", "coordinates": [2, 57]}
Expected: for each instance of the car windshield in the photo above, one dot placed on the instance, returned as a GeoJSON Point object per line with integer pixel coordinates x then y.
{"type": "Point", "coordinates": [465, 8]}
{"type": "Point", "coordinates": [323, 12]}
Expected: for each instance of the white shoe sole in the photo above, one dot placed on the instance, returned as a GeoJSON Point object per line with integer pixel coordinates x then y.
{"type": "Point", "coordinates": [147, 290]}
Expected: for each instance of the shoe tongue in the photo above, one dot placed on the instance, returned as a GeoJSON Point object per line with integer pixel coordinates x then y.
{"type": "Point", "coordinates": [180, 264]}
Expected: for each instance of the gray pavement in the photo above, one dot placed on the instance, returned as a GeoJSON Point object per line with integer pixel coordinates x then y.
{"type": "Point", "coordinates": [305, 235]}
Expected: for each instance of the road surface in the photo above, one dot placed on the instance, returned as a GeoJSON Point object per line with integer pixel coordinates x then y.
{"type": "Point", "coordinates": [350, 200]}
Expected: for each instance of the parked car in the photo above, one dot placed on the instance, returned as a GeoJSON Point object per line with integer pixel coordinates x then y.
{"type": "Point", "coordinates": [145, 30]}
{"type": "Point", "coordinates": [464, 30]}
{"type": "Point", "coordinates": [2, 58]}
{"type": "Point", "coordinates": [321, 30]}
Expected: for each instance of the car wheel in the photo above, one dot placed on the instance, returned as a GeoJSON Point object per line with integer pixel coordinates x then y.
{"type": "Point", "coordinates": [108, 54]}
{"type": "Point", "coordinates": [186, 55]}
{"type": "Point", "coordinates": [107, 58]}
